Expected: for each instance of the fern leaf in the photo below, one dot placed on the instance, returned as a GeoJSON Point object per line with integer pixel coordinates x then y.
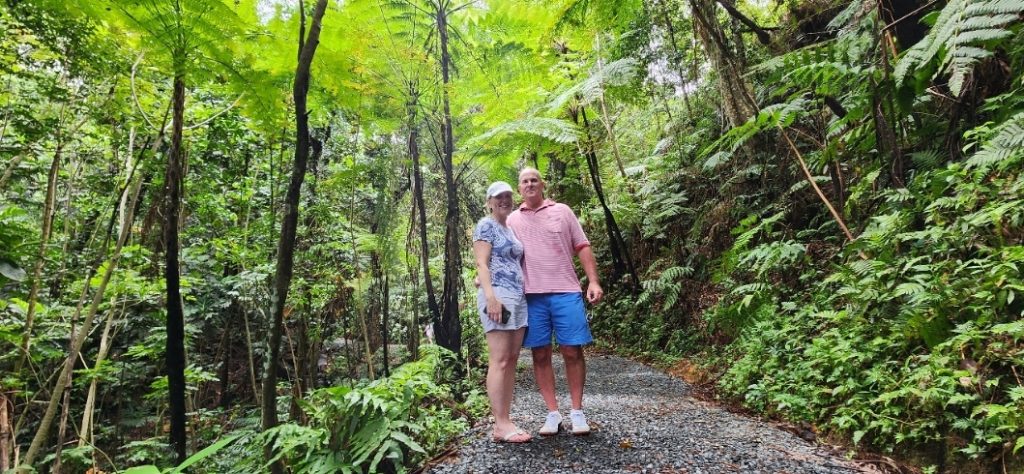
{"type": "Point", "coordinates": [1001, 148]}
{"type": "Point", "coordinates": [558, 130]}
{"type": "Point", "coordinates": [953, 44]}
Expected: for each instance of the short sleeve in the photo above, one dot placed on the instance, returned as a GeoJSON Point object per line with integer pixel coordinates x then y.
{"type": "Point", "coordinates": [579, 238]}
{"type": "Point", "coordinates": [484, 231]}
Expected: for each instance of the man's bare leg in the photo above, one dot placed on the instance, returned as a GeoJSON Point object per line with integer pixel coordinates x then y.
{"type": "Point", "coordinates": [575, 373]}
{"type": "Point", "coordinates": [544, 375]}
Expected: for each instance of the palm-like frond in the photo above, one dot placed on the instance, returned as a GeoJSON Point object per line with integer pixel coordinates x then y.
{"type": "Point", "coordinates": [558, 130]}
{"type": "Point", "coordinates": [615, 73]}
{"type": "Point", "coordinates": [1007, 143]}
{"type": "Point", "coordinates": [957, 40]}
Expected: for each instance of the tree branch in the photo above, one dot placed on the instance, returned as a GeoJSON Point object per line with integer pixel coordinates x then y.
{"type": "Point", "coordinates": [762, 34]}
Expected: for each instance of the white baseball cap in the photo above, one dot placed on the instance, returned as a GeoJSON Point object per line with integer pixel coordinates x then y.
{"type": "Point", "coordinates": [497, 188]}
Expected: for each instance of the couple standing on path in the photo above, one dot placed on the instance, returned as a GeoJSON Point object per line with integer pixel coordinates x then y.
{"type": "Point", "coordinates": [528, 290]}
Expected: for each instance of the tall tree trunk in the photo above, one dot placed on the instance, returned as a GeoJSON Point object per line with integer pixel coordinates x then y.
{"type": "Point", "coordinates": [44, 241]}
{"type": "Point", "coordinates": [289, 224]}
{"type": "Point", "coordinates": [417, 176]}
{"type": "Point", "coordinates": [175, 344]}
{"type": "Point", "coordinates": [737, 99]}
{"type": "Point", "coordinates": [621, 258]}
{"type": "Point", "coordinates": [449, 331]}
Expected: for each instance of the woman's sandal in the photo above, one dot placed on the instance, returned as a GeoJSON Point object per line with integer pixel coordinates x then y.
{"type": "Point", "coordinates": [514, 437]}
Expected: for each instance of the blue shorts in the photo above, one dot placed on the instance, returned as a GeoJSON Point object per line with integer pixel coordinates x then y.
{"type": "Point", "coordinates": [562, 313]}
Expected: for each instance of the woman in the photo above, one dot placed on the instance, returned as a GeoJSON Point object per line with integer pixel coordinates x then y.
{"type": "Point", "coordinates": [502, 305]}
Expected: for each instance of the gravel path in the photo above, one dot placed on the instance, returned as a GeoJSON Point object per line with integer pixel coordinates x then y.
{"type": "Point", "coordinates": [643, 421]}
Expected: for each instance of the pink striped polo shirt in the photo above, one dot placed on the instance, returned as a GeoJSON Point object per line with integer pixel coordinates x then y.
{"type": "Point", "coordinates": [551, 236]}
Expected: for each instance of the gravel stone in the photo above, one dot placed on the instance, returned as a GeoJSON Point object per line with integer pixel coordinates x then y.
{"type": "Point", "coordinates": [642, 421]}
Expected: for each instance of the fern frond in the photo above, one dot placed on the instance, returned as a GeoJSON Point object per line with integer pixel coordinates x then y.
{"type": "Point", "coordinates": [954, 43]}
{"type": "Point", "coordinates": [615, 73]}
{"type": "Point", "coordinates": [558, 130]}
{"type": "Point", "coordinates": [1001, 148]}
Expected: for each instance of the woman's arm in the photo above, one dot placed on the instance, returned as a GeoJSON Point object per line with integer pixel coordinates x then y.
{"type": "Point", "coordinates": [482, 252]}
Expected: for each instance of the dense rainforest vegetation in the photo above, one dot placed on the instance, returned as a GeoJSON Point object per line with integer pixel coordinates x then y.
{"type": "Point", "coordinates": [227, 228]}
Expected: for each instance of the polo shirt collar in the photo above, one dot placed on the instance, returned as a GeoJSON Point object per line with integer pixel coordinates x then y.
{"type": "Point", "coordinates": [547, 202]}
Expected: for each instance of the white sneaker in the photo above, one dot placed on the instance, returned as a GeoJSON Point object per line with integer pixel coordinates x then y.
{"type": "Point", "coordinates": [579, 423]}
{"type": "Point", "coordinates": [552, 424]}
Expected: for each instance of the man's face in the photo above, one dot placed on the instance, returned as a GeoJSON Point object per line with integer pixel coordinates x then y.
{"type": "Point", "coordinates": [530, 185]}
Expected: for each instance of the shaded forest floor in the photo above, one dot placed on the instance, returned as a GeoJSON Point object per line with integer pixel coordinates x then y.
{"type": "Point", "coordinates": [643, 421]}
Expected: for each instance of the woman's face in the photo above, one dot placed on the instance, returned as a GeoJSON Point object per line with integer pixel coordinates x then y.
{"type": "Point", "coordinates": [501, 204]}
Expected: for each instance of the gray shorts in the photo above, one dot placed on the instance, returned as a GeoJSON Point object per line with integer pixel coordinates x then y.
{"type": "Point", "coordinates": [516, 304]}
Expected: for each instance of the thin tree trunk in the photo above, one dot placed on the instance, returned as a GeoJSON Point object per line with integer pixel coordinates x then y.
{"type": "Point", "coordinates": [44, 242]}
{"type": "Point", "coordinates": [449, 331]}
{"type": "Point", "coordinates": [360, 308]}
{"type": "Point", "coordinates": [175, 324]}
{"type": "Point", "coordinates": [6, 434]}
{"type": "Point", "coordinates": [810, 179]}
{"type": "Point", "coordinates": [252, 359]}
{"type": "Point", "coordinates": [384, 317]}
{"type": "Point", "coordinates": [57, 283]}
{"type": "Point", "coordinates": [62, 427]}
{"type": "Point", "coordinates": [224, 374]}
{"type": "Point", "coordinates": [621, 258]}
{"type": "Point", "coordinates": [417, 175]}
{"type": "Point", "coordinates": [289, 224]}
{"type": "Point", "coordinates": [85, 428]}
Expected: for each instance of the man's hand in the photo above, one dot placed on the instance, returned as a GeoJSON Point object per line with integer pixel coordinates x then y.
{"type": "Point", "coordinates": [594, 292]}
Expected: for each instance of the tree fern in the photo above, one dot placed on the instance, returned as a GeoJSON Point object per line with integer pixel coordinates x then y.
{"type": "Point", "coordinates": [954, 43]}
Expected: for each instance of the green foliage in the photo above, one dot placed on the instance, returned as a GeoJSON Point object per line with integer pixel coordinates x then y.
{"type": "Point", "coordinates": [393, 422]}
{"type": "Point", "coordinates": [965, 32]}
{"type": "Point", "coordinates": [920, 339]}
{"type": "Point", "coordinates": [193, 459]}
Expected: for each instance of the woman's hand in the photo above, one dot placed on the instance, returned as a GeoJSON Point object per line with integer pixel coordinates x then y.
{"type": "Point", "coordinates": [494, 309]}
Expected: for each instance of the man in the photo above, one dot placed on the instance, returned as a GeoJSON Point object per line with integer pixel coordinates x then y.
{"type": "Point", "coordinates": [551, 235]}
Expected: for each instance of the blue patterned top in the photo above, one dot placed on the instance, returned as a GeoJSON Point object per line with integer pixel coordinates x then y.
{"type": "Point", "coordinates": [506, 254]}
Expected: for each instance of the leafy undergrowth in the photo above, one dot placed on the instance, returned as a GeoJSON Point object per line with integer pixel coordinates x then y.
{"type": "Point", "coordinates": [916, 337]}
{"type": "Point", "coordinates": [391, 424]}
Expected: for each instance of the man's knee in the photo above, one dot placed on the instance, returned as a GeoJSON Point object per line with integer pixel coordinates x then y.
{"type": "Point", "coordinates": [571, 354]}
{"type": "Point", "coordinates": [542, 355]}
